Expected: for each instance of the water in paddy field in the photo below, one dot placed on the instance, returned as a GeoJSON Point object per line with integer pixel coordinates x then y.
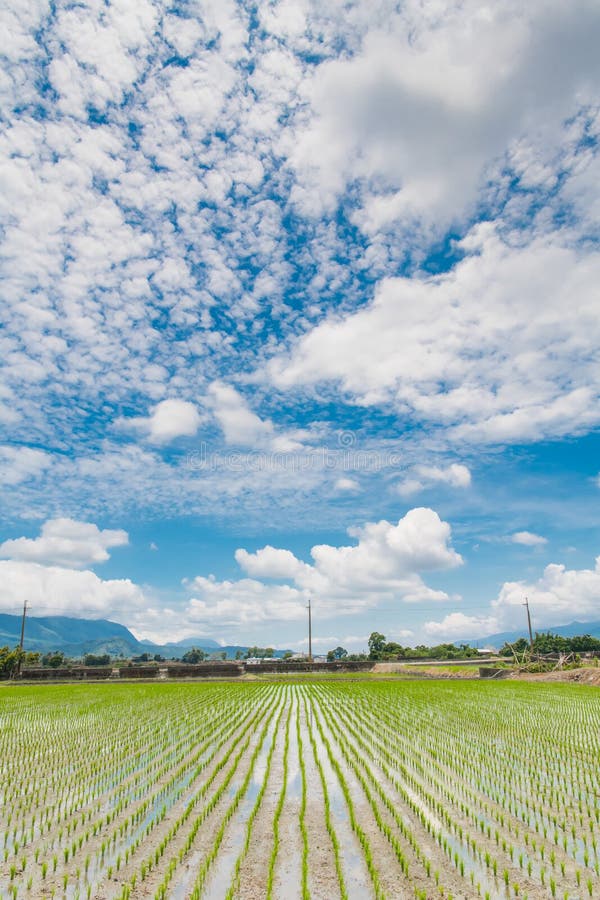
{"type": "Point", "coordinates": [354, 867]}
{"type": "Point", "coordinates": [288, 871]}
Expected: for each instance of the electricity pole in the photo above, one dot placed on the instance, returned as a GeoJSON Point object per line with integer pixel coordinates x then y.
{"type": "Point", "coordinates": [526, 605]}
{"type": "Point", "coordinates": [309, 631]}
{"type": "Point", "coordinates": [22, 635]}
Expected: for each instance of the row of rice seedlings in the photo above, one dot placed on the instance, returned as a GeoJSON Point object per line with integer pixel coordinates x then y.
{"type": "Point", "coordinates": [302, 814]}
{"type": "Point", "coordinates": [342, 727]}
{"type": "Point", "coordinates": [465, 841]}
{"type": "Point", "coordinates": [508, 799]}
{"type": "Point", "coordinates": [414, 732]}
{"type": "Point", "coordinates": [354, 823]}
{"type": "Point", "coordinates": [279, 809]}
{"type": "Point", "coordinates": [123, 831]}
{"type": "Point", "coordinates": [235, 881]}
{"type": "Point", "coordinates": [212, 854]}
{"type": "Point", "coordinates": [427, 801]}
{"type": "Point", "coordinates": [328, 820]}
{"type": "Point", "coordinates": [58, 813]}
{"type": "Point", "coordinates": [228, 758]}
{"type": "Point", "coordinates": [530, 840]}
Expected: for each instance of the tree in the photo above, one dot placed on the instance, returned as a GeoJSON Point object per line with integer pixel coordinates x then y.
{"type": "Point", "coordinates": [288, 654]}
{"type": "Point", "coordinates": [194, 655]}
{"type": "Point", "coordinates": [259, 652]}
{"type": "Point", "coordinates": [517, 647]}
{"type": "Point", "coordinates": [338, 653]}
{"type": "Point", "coordinates": [376, 644]}
{"type": "Point", "coordinates": [391, 649]}
{"type": "Point", "coordinates": [9, 661]}
{"type": "Point", "coordinates": [239, 654]}
{"type": "Point", "coordinates": [90, 659]}
{"type": "Point", "coordinates": [54, 660]}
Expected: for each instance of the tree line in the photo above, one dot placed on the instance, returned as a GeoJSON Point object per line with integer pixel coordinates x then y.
{"type": "Point", "coordinates": [546, 642]}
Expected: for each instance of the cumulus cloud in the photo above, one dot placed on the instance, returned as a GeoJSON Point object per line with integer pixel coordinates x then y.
{"type": "Point", "coordinates": [457, 625]}
{"type": "Point", "coordinates": [65, 542]}
{"type": "Point", "coordinates": [169, 419]}
{"type": "Point", "coordinates": [269, 562]}
{"type": "Point", "coordinates": [454, 475]}
{"type": "Point", "coordinates": [243, 602]}
{"type": "Point", "coordinates": [528, 539]}
{"type": "Point", "coordinates": [55, 590]}
{"type": "Point", "coordinates": [384, 563]}
{"type": "Point", "coordinates": [559, 596]}
{"type": "Point", "coordinates": [494, 350]}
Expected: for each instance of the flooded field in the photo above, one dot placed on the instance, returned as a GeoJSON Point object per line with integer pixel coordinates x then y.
{"type": "Point", "coordinates": [321, 790]}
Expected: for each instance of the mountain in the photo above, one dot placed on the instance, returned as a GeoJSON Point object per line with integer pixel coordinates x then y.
{"type": "Point", "coordinates": [56, 632]}
{"type": "Point", "coordinates": [186, 643]}
{"type": "Point", "coordinates": [570, 630]}
{"type": "Point", "coordinates": [76, 637]}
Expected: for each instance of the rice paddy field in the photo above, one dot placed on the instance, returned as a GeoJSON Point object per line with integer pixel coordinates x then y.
{"type": "Point", "coordinates": [321, 790]}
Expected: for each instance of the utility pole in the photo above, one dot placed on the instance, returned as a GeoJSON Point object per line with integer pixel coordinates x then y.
{"type": "Point", "coordinates": [526, 605]}
{"type": "Point", "coordinates": [309, 631]}
{"type": "Point", "coordinates": [22, 635]}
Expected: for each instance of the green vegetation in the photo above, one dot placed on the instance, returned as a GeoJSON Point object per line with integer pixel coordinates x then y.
{"type": "Point", "coordinates": [12, 658]}
{"type": "Point", "coordinates": [92, 659]}
{"type": "Point", "coordinates": [380, 649]}
{"type": "Point", "coordinates": [553, 643]}
{"type": "Point", "coordinates": [431, 788]}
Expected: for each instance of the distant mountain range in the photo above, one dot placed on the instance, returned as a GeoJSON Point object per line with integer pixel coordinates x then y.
{"type": "Point", "coordinates": [570, 630]}
{"type": "Point", "coordinates": [76, 637]}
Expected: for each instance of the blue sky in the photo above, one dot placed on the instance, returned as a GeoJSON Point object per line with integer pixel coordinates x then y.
{"type": "Point", "coordinates": [300, 301]}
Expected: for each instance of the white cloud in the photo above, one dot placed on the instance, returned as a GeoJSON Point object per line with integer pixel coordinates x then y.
{"type": "Point", "coordinates": [528, 539]}
{"type": "Point", "coordinates": [561, 595]}
{"type": "Point", "coordinates": [54, 590]}
{"type": "Point", "coordinates": [65, 542]}
{"type": "Point", "coordinates": [244, 602]}
{"type": "Point", "coordinates": [384, 563]}
{"type": "Point", "coordinates": [457, 625]}
{"type": "Point", "coordinates": [497, 349]}
{"type": "Point", "coordinates": [386, 556]}
{"type": "Point", "coordinates": [169, 419]}
{"type": "Point", "coordinates": [558, 597]}
{"type": "Point", "coordinates": [269, 562]}
{"type": "Point", "coordinates": [18, 464]}
{"type": "Point", "coordinates": [242, 427]}
{"type": "Point", "coordinates": [455, 475]}
{"type": "Point", "coordinates": [418, 114]}
{"type": "Point", "coordinates": [347, 485]}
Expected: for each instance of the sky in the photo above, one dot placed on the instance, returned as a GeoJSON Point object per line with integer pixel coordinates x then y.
{"type": "Point", "coordinates": [300, 303]}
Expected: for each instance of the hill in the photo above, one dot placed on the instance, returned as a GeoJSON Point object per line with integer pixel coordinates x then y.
{"type": "Point", "coordinates": [76, 637]}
